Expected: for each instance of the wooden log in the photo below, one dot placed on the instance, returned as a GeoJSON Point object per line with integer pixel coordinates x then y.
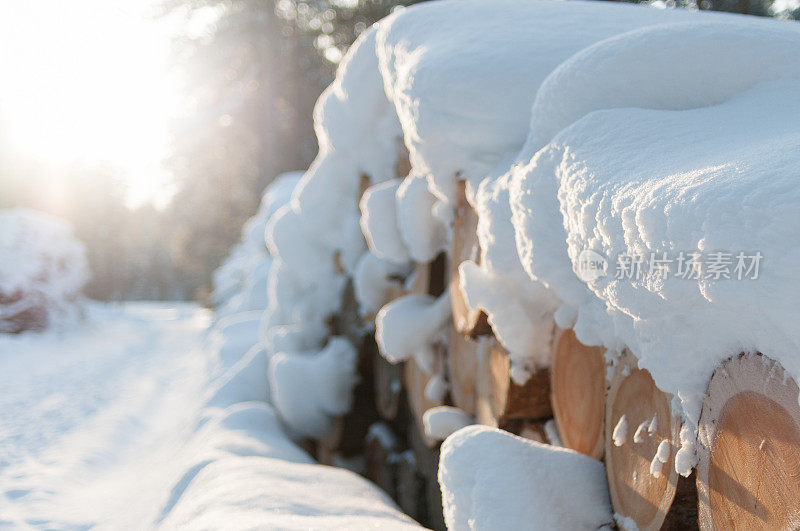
{"type": "Point", "coordinates": [403, 165]}
{"type": "Point", "coordinates": [410, 486]}
{"type": "Point", "coordinates": [499, 401]}
{"type": "Point", "coordinates": [420, 279]}
{"type": "Point", "coordinates": [748, 475]}
{"type": "Point", "coordinates": [415, 380]}
{"type": "Point", "coordinates": [639, 425]}
{"type": "Point", "coordinates": [437, 275]}
{"type": "Point", "coordinates": [347, 437]}
{"type": "Point", "coordinates": [578, 389]}
{"type": "Point", "coordinates": [470, 322]}
{"type": "Point", "coordinates": [380, 458]}
{"type": "Point", "coordinates": [327, 448]}
{"type": "Point", "coordinates": [426, 459]}
{"type": "Point", "coordinates": [462, 365]}
{"type": "Point", "coordinates": [388, 379]}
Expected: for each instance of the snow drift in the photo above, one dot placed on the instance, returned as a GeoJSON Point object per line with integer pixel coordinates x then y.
{"type": "Point", "coordinates": [494, 480]}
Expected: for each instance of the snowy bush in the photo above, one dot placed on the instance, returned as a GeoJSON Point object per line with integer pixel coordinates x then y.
{"type": "Point", "coordinates": [42, 270]}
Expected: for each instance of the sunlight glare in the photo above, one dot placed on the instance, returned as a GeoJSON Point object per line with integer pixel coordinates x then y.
{"type": "Point", "coordinates": [88, 81]}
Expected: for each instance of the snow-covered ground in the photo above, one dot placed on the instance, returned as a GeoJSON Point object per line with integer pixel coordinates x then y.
{"type": "Point", "coordinates": [94, 417]}
{"type": "Point", "coordinates": [108, 425]}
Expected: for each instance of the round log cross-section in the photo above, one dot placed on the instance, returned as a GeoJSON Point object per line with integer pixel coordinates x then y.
{"type": "Point", "coordinates": [578, 390]}
{"type": "Point", "coordinates": [501, 402]}
{"type": "Point", "coordinates": [748, 474]}
{"type": "Point", "coordinates": [640, 428]}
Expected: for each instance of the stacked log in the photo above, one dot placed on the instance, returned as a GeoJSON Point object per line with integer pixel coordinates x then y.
{"type": "Point", "coordinates": [467, 321]}
{"type": "Point", "coordinates": [504, 404]}
{"type": "Point", "coordinates": [578, 384]}
{"type": "Point", "coordinates": [748, 474]}
{"type": "Point", "coordinates": [641, 438]}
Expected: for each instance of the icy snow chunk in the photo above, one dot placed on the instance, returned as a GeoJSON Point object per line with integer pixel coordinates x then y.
{"type": "Point", "coordinates": [409, 326]}
{"type": "Point", "coordinates": [310, 389]}
{"type": "Point", "coordinates": [494, 480]}
{"type": "Point", "coordinates": [626, 523]}
{"type": "Point", "coordinates": [638, 436]}
{"type": "Point", "coordinates": [379, 222]}
{"type": "Point", "coordinates": [651, 429]}
{"type": "Point", "coordinates": [661, 457]}
{"type": "Point", "coordinates": [620, 433]}
{"type": "Point", "coordinates": [442, 421]}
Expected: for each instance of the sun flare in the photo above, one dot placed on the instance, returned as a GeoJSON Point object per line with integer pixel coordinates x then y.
{"type": "Point", "coordinates": [88, 81]}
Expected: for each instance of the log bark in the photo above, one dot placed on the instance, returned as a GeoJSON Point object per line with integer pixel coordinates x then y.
{"type": "Point", "coordinates": [499, 401]}
{"type": "Point", "coordinates": [469, 322]}
{"type": "Point", "coordinates": [578, 385]}
{"type": "Point", "coordinates": [462, 364]}
{"type": "Point", "coordinates": [637, 493]}
{"type": "Point", "coordinates": [748, 474]}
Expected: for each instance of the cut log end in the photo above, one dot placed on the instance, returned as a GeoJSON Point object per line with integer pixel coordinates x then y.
{"type": "Point", "coordinates": [578, 381]}
{"type": "Point", "coordinates": [642, 480]}
{"type": "Point", "coordinates": [499, 400]}
{"type": "Point", "coordinates": [748, 473]}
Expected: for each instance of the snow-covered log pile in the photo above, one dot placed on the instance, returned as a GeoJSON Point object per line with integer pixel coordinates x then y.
{"type": "Point", "coordinates": [240, 283]}
{"type": "Point", "coordinates": [683, 188]}
{"type": "Point", "coordinates": [43, 269]}
{"type": "Point", "coordinates": [594, 225]}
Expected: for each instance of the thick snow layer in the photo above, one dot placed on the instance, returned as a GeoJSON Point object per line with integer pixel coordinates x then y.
{"type": "Point", "coordinates": [491, 479]}
{"type": "Point", "coordinates": [310, 390]}
{"type": "Point", "coordinates": [463, 80]}
{"type": "Point", "coordinates": [132, 408]}
{"type": "Point", "coordinates": [411, 326]}
{"type": "Point", "coordinates": [716, 177]}
{"type": "Point", "coordinates": [463, 77]}
{"type": "Point", "coordinates": [519, 311]}
{"type": "Point", "coordinates": [43, 269]}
